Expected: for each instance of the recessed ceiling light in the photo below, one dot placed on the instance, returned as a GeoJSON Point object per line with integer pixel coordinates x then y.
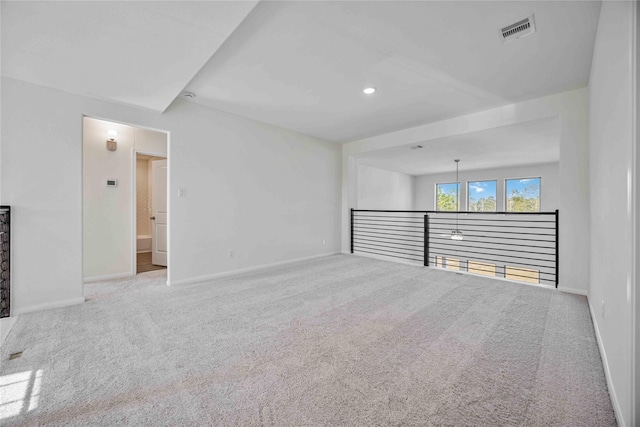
{"type": "Point", "coordinates": [369, 90]}
{"type": "Point", "coordinates": [416, 147]}
{"type": "Point", "coordinates": [188, 95]}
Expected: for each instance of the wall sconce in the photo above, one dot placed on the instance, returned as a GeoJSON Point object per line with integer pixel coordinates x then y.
{"type": "Point", "coordinates": [111, 140]}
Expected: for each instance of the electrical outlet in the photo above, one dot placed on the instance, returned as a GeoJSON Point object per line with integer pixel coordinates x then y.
{"type": "Point", "coordinates": [324, 241]}
{"type": "Point", "coordinates": [602, 308]}
{"type": "Point", "coordinates": [232, 254]}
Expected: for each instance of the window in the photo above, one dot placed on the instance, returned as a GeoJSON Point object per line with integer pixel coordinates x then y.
{"type": "Point", "coordinates": [522, 195]}
{"type": "Point", "coordinates": [522, 274]}
{"type": "Point", "coordinates": [482, 196]}
{"type": "Point", "coordinates": [450, 263]}
{"type": "Point", "coordinates": [481, 268]}
{"type": "Point", "coordinates": [446, 197]}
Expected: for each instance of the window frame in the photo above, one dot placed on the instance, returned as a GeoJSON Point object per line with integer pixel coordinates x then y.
{"type": "Point", "coordinates": [522, 277]}
{"type": "Point", "coordinates": [484, 180]}
{"type": "Point", "coordinates": [483, 272]}
{"type": "Point", "coordinates": [506, 195]}
{"type": "Point", "coordinates": [435, 196]}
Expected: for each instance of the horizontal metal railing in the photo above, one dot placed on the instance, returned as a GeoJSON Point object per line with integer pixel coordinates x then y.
{"type": "Point", "coordinates": [396, 234]}
{"type": "Point", "coordinates": [521, 246]}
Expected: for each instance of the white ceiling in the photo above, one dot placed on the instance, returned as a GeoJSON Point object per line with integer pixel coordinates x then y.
{"type": "Point", "coordinates": [520, 144]}
{"type": "Point", "coordinates": [138, 53]}
{"type": "Point", "coordinates": [302, 65]}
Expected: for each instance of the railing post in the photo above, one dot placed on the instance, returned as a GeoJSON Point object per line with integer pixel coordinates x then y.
{"type": "Point", "coordinates": [351, 230]}
{"type": "Point", "coordinates": [426, 241]}
{"type": "Point", "coordinates": [5, 261]}
{"type": "Point", "coordinates": [557, 246]}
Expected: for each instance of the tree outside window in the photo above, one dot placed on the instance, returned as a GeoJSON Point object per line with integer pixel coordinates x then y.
{"type": "Point", "coordinates": [523, 195]}
{"type": "Point", "coordinates": [482, 196]}
{"type": "Point", "coordinates": [446, 196]}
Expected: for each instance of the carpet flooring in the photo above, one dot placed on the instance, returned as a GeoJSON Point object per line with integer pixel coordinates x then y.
{"type": "Point", "coordinates": [144, 264]}
{"type": "Point", "coordinates": [336, 341]}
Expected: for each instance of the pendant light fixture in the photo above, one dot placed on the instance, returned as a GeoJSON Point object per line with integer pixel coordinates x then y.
{"type": "Point", "coordinates": [457, 233]}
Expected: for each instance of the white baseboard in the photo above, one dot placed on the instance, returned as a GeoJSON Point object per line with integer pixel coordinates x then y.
{"type": "Point", "coordinates": [209, 277]}
{"type": "Point", "coordinates": [48, 305]}
{"type": "Point", "coordinates": [607, 372]}
{"type": "Point", "coordinates": [573, 291]}
{"type": "Point", "coordinates": [5, 327]}
{"type": "Point", "coordinates": [107, 277]}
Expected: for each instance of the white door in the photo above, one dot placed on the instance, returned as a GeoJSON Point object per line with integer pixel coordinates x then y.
{"type": "Point", "coordinates": [159, 212]}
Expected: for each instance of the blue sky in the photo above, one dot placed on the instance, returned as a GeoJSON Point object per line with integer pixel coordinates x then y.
{"type": "Point", "coordinates": [482, 189]}
{"type": "Point", "coordinates": [521, 184]}
{"type": "Point", "coordinates": [448, 188]}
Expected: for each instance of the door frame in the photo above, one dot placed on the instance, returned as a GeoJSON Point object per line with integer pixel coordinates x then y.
{"type": "Point", "coordinates": [134, 207]}
{"type": "Point", "coordinates": [166, 155]}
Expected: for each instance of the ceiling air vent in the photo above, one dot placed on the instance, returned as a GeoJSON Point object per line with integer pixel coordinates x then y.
{"type": "Point", "coordinates": [522, 28]}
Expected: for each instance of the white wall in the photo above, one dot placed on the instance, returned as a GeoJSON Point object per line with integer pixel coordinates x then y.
{"type": "Point", "coordinates": [571, 108]}
{"type": "Point", "coordinates": [612, 195]}
{"type": "Point", "coordinates": [107, 220]}
{"type": "Point", "coordinates": [143, 198]}
{"type": "Point", "coordinates": [549, 184]}
{"type": "Point", "coordinates": [267, 193]}
{"type": "Point", "coordinates": [382, 189]}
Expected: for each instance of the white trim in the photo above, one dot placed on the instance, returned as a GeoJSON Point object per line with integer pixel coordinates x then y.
{"type": "Point", "coordinates": [574, 291]}
{"type": "Point", "coordinates": [133, 192]}
{"type": "Point", "coordinates": [635, 220]}
{"type": "Point", "coordinates": [108, 277]}
{"type": "Point", "coordinates": [504, 201]}
{"type": "Point", "coordinates": [435, 195]}
{"type": "Point", "coordinates": [482, 180]}
{"type": "Point", "coordinates": [134, 206]}
{"type": "Point", "coordinates": [149, 153]}
{"type": "Point", "coordinates": [607, 371]}
{"type": "Point", "coordinates": [169, 208]}
{"type": "Point", "coordinates": [202, 279]}
{"type": "Point", "coordinates": [49, 305]}
{"type": "Point", "coordinates": [81, 225]}
{"type": "Point", "coordinates": [134, 199]}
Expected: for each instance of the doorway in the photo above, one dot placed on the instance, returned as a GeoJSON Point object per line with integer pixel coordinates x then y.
{"type": "Point", "coordinates": [151, 212]}
{"type": "Point", "coordinates": [109, 198]}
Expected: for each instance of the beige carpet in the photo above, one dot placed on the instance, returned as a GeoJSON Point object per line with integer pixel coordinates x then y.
{"type": "Point", "coordinates": [341, 340]}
